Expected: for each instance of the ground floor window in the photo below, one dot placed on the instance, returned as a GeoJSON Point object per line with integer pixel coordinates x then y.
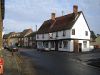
{"type": "Point", "coordinates": [65, 44]}
{"type": "Point", "coordinates": [52, 44]}
{"type": "Point", "coordinates": [60, 44]}
{"type": "Point", "coordinates": [45, 44]}
{"type": "Point", "coordinates": [39, 44]}
{"type": "Point", "coordinates": [85, 44]}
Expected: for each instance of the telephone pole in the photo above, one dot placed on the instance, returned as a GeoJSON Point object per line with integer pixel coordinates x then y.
{"type": "Point", "coordinates": [2, 11]}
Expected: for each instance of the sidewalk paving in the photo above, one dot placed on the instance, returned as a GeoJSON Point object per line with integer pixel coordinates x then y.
{"type": "Point", "coordinates": [11, 66]}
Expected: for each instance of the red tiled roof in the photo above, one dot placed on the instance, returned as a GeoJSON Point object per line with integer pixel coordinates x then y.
{"type": "Point", "coordinates": [60, 23]}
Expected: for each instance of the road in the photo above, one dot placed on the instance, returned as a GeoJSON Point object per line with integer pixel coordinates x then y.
{"type": "Point", "coordinates": [56, 63]}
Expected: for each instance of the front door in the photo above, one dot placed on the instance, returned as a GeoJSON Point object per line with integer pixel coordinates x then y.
{"type": "Point", "coordinates": [80, 47]}
{"type": "Point", "coordinates": [56, 45]}
{"type": "Point", "coordinates": [76, 48]}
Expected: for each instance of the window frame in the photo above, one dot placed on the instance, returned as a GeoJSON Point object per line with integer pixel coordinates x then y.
{"type": "Point", "coordinates": [73, 31]}
{"type": "Point", "coordinates": [43, 36]}
{"type": "Point", "coordinates": [85, 44]}
{"type": "Point", "coordinates": [86, 33]}
{"type": "Point", "coordinates": [65, 46]}
{"type": "Point", "coordinates": [64, 32]}
{"type": "Point", "coordinates": [56, 34]}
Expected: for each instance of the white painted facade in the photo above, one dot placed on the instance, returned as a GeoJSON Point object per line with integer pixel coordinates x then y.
{"type": "Point", "coordinates": [67, 41]}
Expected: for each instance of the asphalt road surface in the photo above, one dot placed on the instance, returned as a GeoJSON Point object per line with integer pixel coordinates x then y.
{"type": "Point", "coordinates": [54, 63]}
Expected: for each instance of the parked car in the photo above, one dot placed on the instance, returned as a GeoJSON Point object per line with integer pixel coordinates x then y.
{"type": "Point", "coordinates": [13, 49]}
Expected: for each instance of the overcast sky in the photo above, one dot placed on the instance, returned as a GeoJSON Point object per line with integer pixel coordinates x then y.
{"type": "Point", "coordinates": [23, 14]}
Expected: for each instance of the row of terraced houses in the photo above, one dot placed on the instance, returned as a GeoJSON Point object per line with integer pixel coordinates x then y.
{"type": "Point", "coordinates": [26, 38]}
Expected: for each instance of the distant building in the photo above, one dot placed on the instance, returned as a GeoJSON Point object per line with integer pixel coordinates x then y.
{"type": "Point", "coordinates": [96, 42]}
{"type": "Point", "coordinates": [65, 33]}
{"type": "Point", "coordinates": [8, 39]}
{"type": "Point", "coordinates": [32, 40]}
{"type": "Point", "coordinates": [18, 39]}
{"type": "Point", "coordinates": [22, 40]}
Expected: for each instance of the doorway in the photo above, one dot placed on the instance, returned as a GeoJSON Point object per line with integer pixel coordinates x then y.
{"type": "Point", "coordinates": [80, 47]}
{"type": "Point", "coordinates": [76, 44]}
{"type": "Point", "coordinates": [56, 45]}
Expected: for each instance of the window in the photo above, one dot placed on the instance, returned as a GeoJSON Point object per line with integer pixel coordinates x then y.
{"type": "Point", "coordinates": [45, 44]}
{"type": "Point", "coordinates": [73, 31]}
{"type": "Point", "coordinates": [60, 44]}
{"type": "Point", "coordinates": [42, 35]}
{"type": "Point", "coordinates": [52, 44]}
{"type": "Point", "coordinates": [50, 35]}
{"type": "Point", "coordinates": [64, 33]}
{"type": "Point", "coordinates": [39, 44]}
{"type": "Point", "coordinates": [56, 34]}
{"type": "Point", "coordinates": [86, 33]}
{"type": "Point", "coordinates": [30, 38]}
{"type": "Point", "coordinates": [65, 44]}
{"type": "Point", "coordinates": [85, 44]}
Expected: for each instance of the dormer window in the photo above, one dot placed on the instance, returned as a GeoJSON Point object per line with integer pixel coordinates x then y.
{"type": "Point", "coordinates": [64, 33]}
{"type": "Point", "coordinates": [56, 34]}
{"type": "Point", "coordinates": [73, 31]}
{"type": "Point", "coordinates": [86, 33]}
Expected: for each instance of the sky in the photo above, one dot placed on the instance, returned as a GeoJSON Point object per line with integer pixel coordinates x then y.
{"type": "Point", "coordinates": [24, 14]}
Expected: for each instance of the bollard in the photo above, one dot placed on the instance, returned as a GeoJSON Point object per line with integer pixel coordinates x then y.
{"type": "Point", "coordinates": [1, 66]}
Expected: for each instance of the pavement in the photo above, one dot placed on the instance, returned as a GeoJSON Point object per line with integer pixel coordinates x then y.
{"type": "Point", "coordinates": [11, 63]}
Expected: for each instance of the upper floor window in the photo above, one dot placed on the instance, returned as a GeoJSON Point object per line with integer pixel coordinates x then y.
{"type": "Point", "coordinates": [86, 33]}
{"type": "Point", "coordinates": [64, 33]}
{"type": "Point", "coordinates": [73, 31]}
{"type": "Point", "coordinates": [42, 35]}
{"type": "Point", "coordinates": [50, 35]}
{"type": "Point", "coordinates": [56, 34]}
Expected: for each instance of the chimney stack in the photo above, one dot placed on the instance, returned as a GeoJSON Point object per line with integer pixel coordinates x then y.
{"type": "Point", "coordinates": [75, 9]}
{"type": "Point", "coordinates": [53, 16]}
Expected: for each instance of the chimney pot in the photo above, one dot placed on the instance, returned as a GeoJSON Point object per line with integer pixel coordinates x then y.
{"type": "Point", "coordinates": [75, 9]}
{"type": "Point", "coordinates": [53, 16]}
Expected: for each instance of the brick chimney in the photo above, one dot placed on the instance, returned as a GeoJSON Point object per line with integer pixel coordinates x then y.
{"type": "Point", "coordinates": [53, 16]}
{"type": "Point", "coordinates": [75, 9]}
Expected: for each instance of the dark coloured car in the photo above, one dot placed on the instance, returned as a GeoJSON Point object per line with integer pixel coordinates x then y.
{"type": "Point", "coordinates": [13, 49]}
